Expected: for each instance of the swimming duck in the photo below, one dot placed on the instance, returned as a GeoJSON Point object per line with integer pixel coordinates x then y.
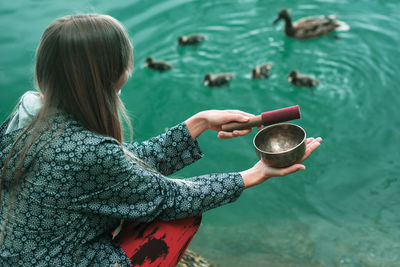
{"type": "Point", "coordinates": [310, 27]}
{"type": "Point", "coordinates": [191, 39]}
{"type": "Point", "coordinates": [217, 79]}
{"type": "Point", "coordinates": [157, 65]}
{"type": "Point", "coordinates": [301, 80]}
{"type": "Point", "coordinates": [261, 71]}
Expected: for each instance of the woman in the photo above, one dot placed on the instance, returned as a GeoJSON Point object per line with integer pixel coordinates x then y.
{"type": "Point", "coordinates": [67, 176]}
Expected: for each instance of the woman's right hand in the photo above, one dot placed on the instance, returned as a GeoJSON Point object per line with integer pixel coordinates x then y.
{"type": "Point", "coordinates": [261, 172]}
{"type": "Point", "coordinates": [214, 119]}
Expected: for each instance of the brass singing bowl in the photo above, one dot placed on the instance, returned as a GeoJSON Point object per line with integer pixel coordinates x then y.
{"type": "Point", "coordinates": [280, 145]}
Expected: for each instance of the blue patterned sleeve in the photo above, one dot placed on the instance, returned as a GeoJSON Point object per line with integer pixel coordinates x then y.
{"type": "Point", "coordinates": [123, 188]}
{"type": "Point", "coordinates": [168, 152]}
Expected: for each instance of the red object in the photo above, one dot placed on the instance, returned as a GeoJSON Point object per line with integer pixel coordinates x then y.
{"type": "Point", "coordinates": [266, 118]}
{"type": "Point", "coordinates": [280, 115]}
{"type": "Point", "coordinates": [158, 243]}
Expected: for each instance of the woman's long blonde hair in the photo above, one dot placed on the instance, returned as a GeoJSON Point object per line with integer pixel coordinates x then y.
{"type": "Point", "coordinates": [80, 62]}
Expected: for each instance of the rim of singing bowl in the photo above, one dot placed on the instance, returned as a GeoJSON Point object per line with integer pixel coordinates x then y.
{"type": "Point", "coordinates": [276, 125]}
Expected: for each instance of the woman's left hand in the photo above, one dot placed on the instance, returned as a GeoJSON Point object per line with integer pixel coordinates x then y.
{"type": "Point", "coordinates": [214, 119]}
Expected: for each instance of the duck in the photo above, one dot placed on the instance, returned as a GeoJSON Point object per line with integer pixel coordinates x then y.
{"type": "Point", "coordinates": [310, 27]}
{"type": "Point", "coordinates": [159, 65]}
{"type": "Point", "coordinates": [217, 79]}
{"type": "Point", "coordinates": [261, 71]}
{"type": "Point", "coordinates": [301, 80]}
{"type": "Point", "coordinates": [191, 39]}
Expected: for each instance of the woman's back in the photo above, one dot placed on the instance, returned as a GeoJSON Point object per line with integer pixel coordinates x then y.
{"type": "Point", "coordinates": [80, 184]}
{"type": "Point", "coordinates": [48, 224]}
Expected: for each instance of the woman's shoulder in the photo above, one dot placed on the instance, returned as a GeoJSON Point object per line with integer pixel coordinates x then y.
{"type": "Point", "coordinates": [72, 142]}
{"type": "Point", "coordinates": [74, 131]}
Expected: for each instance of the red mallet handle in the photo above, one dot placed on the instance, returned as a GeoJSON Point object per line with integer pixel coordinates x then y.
{"type": "Point", "coordinates": [266, 118]}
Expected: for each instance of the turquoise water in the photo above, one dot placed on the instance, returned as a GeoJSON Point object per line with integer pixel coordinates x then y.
{"type": "Point", "coordinates": [344, 209]}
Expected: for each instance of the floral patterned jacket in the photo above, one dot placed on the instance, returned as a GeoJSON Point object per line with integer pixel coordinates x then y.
{"type": "Point", "coordinates": [78, 185]}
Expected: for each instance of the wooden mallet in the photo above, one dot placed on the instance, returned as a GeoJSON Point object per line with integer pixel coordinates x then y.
{"type": "Point", "coordinates": [266, 118]}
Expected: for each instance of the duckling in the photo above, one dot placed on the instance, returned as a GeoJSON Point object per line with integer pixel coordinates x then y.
{"type": "Point", "coordinates": [301, 80]}
{"type": "Point", "coordinates": [310, 27]}
{"type": "Point", "coordinates": [159, 65]}
{"type": "Point", "coordinates": [261, 71]}
{"type": "Point", "coordinates": [191, 39]}
{"type": "Point", "coordinates": [217, 79]}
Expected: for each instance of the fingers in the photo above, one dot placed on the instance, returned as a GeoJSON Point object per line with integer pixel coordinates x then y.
{"type": "Point", "coordinates": [237, 115]}
{"type": "Point", "coordinates": [235, 133]}
{"type": "Point", "coordinates": [311, 147]}
{"type": "Point", "coordinates": [309, 140]}
{"type": "Point", "coordinates": [240, 112]}
{"type": "Point", "coordinates": [291, 169]}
